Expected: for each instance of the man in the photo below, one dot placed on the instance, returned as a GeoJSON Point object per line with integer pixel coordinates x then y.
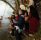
{"type": "Point", "coordinates": [20, 25]}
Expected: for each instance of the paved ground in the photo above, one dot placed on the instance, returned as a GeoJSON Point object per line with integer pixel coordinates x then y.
{"type": "Point", "coordinates": [4, 34]}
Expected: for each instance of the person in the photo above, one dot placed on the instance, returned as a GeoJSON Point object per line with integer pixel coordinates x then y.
{"type": "Point", "coordinates": [16, 16]}
{"type": "Point", "coordinates": [12, 24]}
{"type": "Point", "coordinates": [26, 22]}
{"type": "Point", "coordinates": [20, 25]}
{"type": "Point", "coordinates": [21, 19]}
{"type": "Point", "coordinates": [14, 21]}
{"type": "Point", "coordinates": [34, 20]}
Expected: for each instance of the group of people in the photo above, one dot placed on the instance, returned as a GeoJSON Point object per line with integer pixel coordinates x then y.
{"type": "Point", "coordinates": [24, 21]}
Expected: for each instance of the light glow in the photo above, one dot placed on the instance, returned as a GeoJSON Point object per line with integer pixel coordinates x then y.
{"type": "Point", "coordinates": [5, 9]}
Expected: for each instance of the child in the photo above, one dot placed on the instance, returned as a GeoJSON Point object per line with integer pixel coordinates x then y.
{"type": "Point", "coordinates": [26, 22]}
{"type": "Point", "coordinates": [12, 24]}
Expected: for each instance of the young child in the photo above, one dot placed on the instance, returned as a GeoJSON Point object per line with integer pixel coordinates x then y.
{"type": "Point", "coordinates": [11, 26]}
{"type": "Point", "coordinates": [26, 22]}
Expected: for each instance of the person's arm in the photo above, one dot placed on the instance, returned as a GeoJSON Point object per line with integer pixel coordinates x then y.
{"type": "Point", "coordinates": [26, 18]}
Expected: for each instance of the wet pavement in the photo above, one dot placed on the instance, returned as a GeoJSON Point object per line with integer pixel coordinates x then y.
{"type": "Point", "coordinates": [4, 29]}
{"type": "Point", "coordinates": [3, 35]}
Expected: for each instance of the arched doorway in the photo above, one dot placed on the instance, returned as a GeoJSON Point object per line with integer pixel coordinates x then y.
{"type": "Point", "coordinates": [5, 12]}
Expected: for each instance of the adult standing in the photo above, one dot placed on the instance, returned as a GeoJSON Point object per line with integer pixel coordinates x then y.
{"type": "Point", "coordinates": [34, 20]}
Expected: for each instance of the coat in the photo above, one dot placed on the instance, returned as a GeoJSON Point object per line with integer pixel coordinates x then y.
{"type": "Point", "coordinates": [21, 22]}
{"type": "Point", "coordinates": [34, 24]}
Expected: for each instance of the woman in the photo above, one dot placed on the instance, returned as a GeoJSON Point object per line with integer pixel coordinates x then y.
{"type": "Point", "coordinates": [34, 20]}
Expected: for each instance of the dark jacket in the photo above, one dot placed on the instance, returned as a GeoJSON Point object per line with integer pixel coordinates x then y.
{"type": "Point", "coordinates": [21, 22]}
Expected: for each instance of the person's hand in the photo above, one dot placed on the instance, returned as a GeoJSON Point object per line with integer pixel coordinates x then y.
{"type": "Point", "coordinates": [20, 30]}
{"type": "Point", "coordinates": [16, 27]}
{"type": "Point", "coordinates": [26, 18]}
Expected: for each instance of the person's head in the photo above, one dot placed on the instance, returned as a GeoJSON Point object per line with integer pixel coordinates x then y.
{"type": "Point", "coordinates": [22, 9]}
{"type": "Point", "coordinates": [22, 12]}
{"type": "Point", "coordinates": [16, 14]}
{"type": "Point", "coordinates": [13, 17]}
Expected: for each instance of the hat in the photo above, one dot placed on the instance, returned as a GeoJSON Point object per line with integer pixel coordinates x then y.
{"type": "Point", "coordinates": [22, 7]}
